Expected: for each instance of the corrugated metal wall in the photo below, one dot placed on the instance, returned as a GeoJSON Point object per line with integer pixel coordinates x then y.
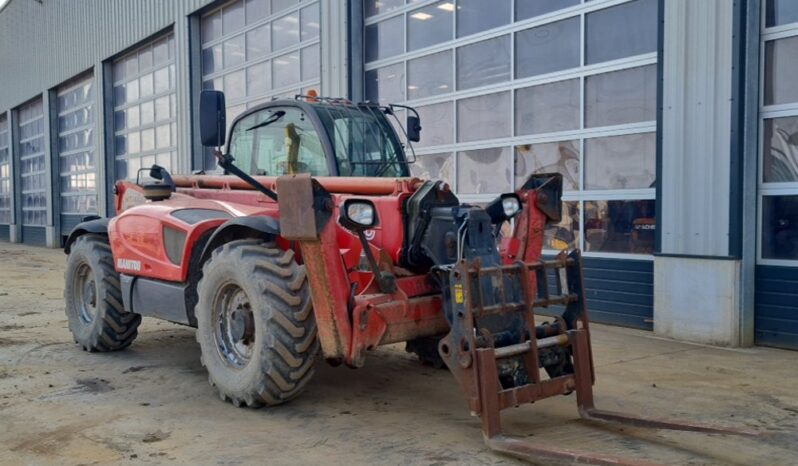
{"type": "Point", "coordinates": [696, 126]}
{"type": "Point", "coordinates": [44, 44]}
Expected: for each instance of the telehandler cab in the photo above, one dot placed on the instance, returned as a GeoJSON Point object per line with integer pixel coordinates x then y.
{"type": "Point", "coordinates": [316, 239]}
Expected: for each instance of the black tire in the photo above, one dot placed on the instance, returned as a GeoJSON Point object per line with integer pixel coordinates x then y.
{"type": "Point", "coordinates": [426, 349]}
{"type": "Point", "coordinates": [97, 318]}
{"type": "Point", "coordinates": [255, 323]}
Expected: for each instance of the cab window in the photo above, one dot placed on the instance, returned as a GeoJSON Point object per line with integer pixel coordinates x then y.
{"type": "Point", "coordinates": [278, 141]}
{"type": "Point", "coordinates": [363, 141]}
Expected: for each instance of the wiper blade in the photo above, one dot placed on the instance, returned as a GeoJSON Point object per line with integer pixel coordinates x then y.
{"type": "Point", "coordinates": [277, 115]}
{"type": "Point", "coordinates": [226, 162]}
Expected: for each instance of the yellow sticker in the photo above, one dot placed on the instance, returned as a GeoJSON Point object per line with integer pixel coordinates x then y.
{"type": "Point", "coordinates": [458, 293]}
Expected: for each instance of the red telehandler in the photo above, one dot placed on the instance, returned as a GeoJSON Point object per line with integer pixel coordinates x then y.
{"type": "Point", "coordinates": [317, 240]}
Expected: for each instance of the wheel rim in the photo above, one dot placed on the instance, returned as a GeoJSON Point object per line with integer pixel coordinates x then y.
{"type": "Point", "coordinates": [234, 326]}
{"type": "Point", "coordinates": [85, 292]}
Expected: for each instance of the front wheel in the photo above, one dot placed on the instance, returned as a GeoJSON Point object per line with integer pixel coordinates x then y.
{"type": "Point", "coordinates": [255, 323]}
{"type": "Point", "coordinates": [94, 309]}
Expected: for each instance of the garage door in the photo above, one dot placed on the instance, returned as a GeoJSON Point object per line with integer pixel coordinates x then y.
{"type": "Point", "coordinates": [76, 152]}
{"type": "Point", "coordinates": [5, 178]}
{"type": "Point", "coordinates": [510, 88]}
{"type": "Point", "coordinates": [32, 173]}
{"type": "Point", "coordinates": [776, 319]}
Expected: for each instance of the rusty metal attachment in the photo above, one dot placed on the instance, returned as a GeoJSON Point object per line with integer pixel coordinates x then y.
{"type": "Point", "coordinates": [496, 373]}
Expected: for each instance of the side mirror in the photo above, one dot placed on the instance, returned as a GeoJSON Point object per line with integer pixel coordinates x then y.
{"type": "Point", "coordinates": [504, 208]}
{"type": "Point", "coordinates": [358, 215]}
{"type": "Point", "coordinates": [413, 128]}
{"type": "Point", "coordinates": [212, 118]}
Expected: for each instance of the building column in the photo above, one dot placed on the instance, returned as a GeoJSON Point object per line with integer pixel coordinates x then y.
{"type": "Point", "coordinates": [50, 147]}
{"type": "Point", "coordinates": [334, 49]}
{"type": "Point", "coordinates": [699, 281]}
{"type": "Point", "coordinates": [15, 228]}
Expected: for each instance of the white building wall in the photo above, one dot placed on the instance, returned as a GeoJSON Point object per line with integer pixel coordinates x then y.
{"type": "Point", "coordinates": [696, 283]}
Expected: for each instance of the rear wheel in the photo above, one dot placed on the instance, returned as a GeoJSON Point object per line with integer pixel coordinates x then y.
{"type": "Point", "coordinates": [426, 349]}
{"type": "Point", "coordinates": [97, 318]}
{"type": "Point", "coordinates": [255, 323]}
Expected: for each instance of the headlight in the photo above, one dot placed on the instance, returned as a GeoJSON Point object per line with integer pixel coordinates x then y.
{"type": "Point", "coordinates": [504, 208]}
{"type": "Point", "coordinates": [511, 206]}
{"type": "Point", "coordinates": [358, 215]}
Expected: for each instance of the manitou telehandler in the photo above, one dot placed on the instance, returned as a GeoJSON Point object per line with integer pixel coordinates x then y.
{"type": "Point", "coordinates": [316, 239]}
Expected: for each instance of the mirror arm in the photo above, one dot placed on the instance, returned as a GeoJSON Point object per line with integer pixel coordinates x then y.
{"type": "Point", "coordinates": [385, 281]}
{"type": "Point", "coordinates": [415, 112]}
{"type": "Point", "coordinates": [226, 162]}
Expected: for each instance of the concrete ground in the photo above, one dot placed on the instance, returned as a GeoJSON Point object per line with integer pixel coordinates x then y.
{"type": "Point", "coordinates": [152, 403]}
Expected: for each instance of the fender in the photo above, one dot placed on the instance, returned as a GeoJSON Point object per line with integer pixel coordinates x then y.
{"type": "Point", "coordinates": [96, 225]}
{"type": "Point", "coordinates": [241, 227]}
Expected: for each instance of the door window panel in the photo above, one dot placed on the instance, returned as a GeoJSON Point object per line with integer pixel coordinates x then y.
{"type": "Point", "coordinates": [438, 124]}
{"type": "Point", "coordinates": [621, 162]}
{"type": "Point", "coordinates": [386, 85]}
{"type": "Point", "coordinates": [564, 234]}
{"type": "Point", "coordinates": [434, 167]}
{"type": "Point", "coordinates": [483, 117]}
{"type": "Point", "coordinates": [375, 7]}
{"type": "Point", "coordinates": [620, 97]}
{"type": "Point", "coordinates": [483, 63]}
{"type": "Point", "coordinates": [778, 12]}
{"type": "Point", "coordinates": [310, 26]}
{"type": "Point", "coordinates": [780, 151]}
{"type": "Point", "coordinates": [430, 75]}
{"type": "Point", "coordinates": [780, 227]}
{"type": "Point", "coordinates": [383, 39]}
{"type": "Point", "coordinates": [549, 157]}
{"type": "Point", "coordinates": [429, 26]}
{"type": "Point", "coordinates": [256, 10]}
{"type": "Point", "coordinates": [621, 31]}
{"type": "Point", "coordinates": [548, 48]}
{"type": "Point", "coordinates": [525, 9]}
{"type": "Point", "coordinates": [285, 69]}
{"type": "Point", "coordinates": [781, 68]}
{"type": "Point", "coordinates": [620, 226]}
{"type": "Point", "coordinates": [473, 164]}
{"type": "Point", "coordinates": [310, 62]}
{"type": "Point", "coordinates": [547, 108]}
{"type": "Point", "coordinates": [285, 31]}
{"type": "Point", "coordinates": [475, 16]}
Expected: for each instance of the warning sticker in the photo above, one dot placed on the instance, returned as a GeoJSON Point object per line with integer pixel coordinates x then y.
{"type": "Point", "coordinates": [458, 293]}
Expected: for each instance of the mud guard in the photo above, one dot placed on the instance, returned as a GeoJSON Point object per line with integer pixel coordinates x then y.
{"type": "Point", "coordinates": [241, 227]}
{"type": "Point", "coordinates": [95, 225]}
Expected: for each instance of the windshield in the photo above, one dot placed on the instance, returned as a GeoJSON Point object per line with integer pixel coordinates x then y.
{"type": "Point", "coordinates": [278, 141]}
{"type": "Point", "coordinates": [363, 140]}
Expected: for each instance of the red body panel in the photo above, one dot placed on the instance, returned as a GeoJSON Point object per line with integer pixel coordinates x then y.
{"type": "Point", "coordinates": [137, 236]}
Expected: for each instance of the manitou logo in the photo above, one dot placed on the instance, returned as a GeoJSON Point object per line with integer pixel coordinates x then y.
{"type": "Point", "coordinates": [128, 264]}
